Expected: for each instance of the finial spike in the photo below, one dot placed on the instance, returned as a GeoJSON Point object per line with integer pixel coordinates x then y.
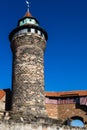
{"type": "Point", "coordinates": [28, 4]}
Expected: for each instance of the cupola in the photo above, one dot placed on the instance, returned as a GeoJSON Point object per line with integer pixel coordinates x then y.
{"type": "Point", "coordinates": [28, 19]}
{"type": "Point", "coordinates": [28, 24]}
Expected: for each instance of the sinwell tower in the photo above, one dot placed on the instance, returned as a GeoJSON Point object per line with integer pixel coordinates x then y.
{"type": "Point", "coordinates": [28, 42]}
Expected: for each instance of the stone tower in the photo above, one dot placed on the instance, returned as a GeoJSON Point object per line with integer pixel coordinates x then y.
{"type": "Point", "coordinates": [28, 42]}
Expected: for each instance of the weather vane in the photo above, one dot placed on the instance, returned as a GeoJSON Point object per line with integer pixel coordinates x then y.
{"type": "Point", "coordinates": [28, 4]}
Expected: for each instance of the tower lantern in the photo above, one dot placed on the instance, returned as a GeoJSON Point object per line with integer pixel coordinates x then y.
{"type": "Point", "coordinates": [28, 42]}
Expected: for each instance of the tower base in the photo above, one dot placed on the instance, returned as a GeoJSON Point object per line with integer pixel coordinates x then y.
{"type": "Point", "coordinates": [28, 117]}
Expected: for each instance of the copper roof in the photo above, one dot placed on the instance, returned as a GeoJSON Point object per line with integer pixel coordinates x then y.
{"type": "Point", "coordinates": [2, 94]}
{"type": "Point", "coordinates": [66, 94]}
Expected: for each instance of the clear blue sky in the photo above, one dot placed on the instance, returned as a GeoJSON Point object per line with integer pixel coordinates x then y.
{"type": "Point", "coordinates": [66, 52]}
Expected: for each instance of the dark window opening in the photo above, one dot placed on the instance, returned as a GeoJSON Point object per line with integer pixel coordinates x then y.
{"type": "Point", "coordinates": [35, 30]}
{"type": "Point", "coordinates": [41, 33]}
{"type": "Point", "coordinates": [29, 30]}
{"type": "Point", "coordinates": [77, 121]}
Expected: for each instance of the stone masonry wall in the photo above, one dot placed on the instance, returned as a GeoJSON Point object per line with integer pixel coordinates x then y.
{"type": "Point", "coordinates": [28, 75]}
{"type": "Point", "coordinates": [64, 111]}
{"type": "Point", "coordinates": [2, 107]}
{"type": "Point", "coordinates": [52, 110]}
{"type": "Point", "coordinates": [34, 126]}
{"type": "Point", "coordinates": [2, 104]}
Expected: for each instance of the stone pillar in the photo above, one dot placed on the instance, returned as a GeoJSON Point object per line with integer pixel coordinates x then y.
{"type": "Point", "coordinates": [28, 75]}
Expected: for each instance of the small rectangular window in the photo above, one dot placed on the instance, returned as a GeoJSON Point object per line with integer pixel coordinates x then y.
{"type": "Point", "coordinates": [29, 30]}
{"type": "Point", "coordinates": [41, 33]}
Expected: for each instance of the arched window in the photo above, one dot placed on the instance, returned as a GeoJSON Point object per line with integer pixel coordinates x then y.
{"type": "Point", "coordinates": [77, 121]}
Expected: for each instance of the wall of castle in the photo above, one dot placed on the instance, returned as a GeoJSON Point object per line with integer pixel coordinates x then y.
{"type": "Point", "coordinates": [2, 109]}
{"type": "Point", "coordinates": [2, 103]}
{"type": "Point", "coordinates": [34, 126]}
{"type": "Point", "coordinates": [52, 110]}
{"type": "Point", "coordinates": [56, 111]}
{"type": "Point", "coordinates": [71, 110]}
{"type": "Point", "coordinates": [64, 110]}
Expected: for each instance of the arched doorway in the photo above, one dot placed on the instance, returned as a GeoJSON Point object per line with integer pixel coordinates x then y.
{"type": "Point", "coordinates": [77, 121]}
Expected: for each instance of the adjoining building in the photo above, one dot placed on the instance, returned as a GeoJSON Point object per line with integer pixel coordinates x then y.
{"type": "Point", "coordinates": [67, 106]}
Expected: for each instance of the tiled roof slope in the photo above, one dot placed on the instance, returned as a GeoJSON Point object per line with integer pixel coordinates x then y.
{"type": "Point", "coordinates": [56, 94]}
{"type": "Point", "coordinates": [2, 94]}
{"type": "Point", "coordinates": [66, 94]}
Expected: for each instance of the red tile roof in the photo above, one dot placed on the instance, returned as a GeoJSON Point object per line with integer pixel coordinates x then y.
{"type": "Point", "coordinates": [2, 94]}
{"type": "Point", "coordinates": [66, 94]}
{"type": "Point", "coordinates": [56, 94]}
{"type": "Point", "coordinates": [28, 14]}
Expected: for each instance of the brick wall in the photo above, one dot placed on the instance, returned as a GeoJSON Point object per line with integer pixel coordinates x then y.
{"type": "Point", "coordinates": [67, 105]}
{"type": "Point", "coordinates": [52, 110]}
{"type": "Point", "coordinates": [65, 111]}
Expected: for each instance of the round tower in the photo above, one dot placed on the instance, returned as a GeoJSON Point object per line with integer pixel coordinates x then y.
{"type": "Point", "coordinates": [28, 42]}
